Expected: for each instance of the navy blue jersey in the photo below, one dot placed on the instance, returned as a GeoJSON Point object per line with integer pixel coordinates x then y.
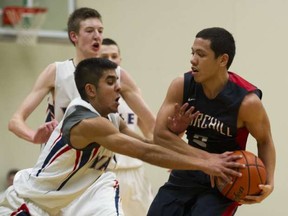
{"type": "Point", "coordinates": [189, 192]}
{"type": "Point", "coordinates": [215, 129]}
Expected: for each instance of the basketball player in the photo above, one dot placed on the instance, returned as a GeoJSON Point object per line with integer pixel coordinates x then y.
{"type": "Point", "coordinates": [85, 31]}
{"type": "Point", "coordinates": [68, 177]}
{"type": "Point", "coordinates": [135, 189]}
{"type": "Point", "coordinates": [230, 108]}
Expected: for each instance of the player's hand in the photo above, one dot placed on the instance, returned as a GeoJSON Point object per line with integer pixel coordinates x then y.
{"type": "Point", "coordinates": [181, 118]}
{"type": "Point", "coordinates": [266, 190]}
{"type": "Point", "coordinates": [44, 131]}
{"type": "Point", "coordinates": [223, 166]}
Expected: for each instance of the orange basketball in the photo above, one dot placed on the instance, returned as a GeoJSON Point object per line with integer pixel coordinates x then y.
{"type": "Point", "coordinates": [253, 174]}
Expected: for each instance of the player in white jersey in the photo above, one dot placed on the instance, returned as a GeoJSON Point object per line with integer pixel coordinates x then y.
{"type": "Point", "coordinates": [62, 172]}
{"type": "Point", "coordinates": [85, 31]}
{"type": "Point", "coordinates": [135, 189]}
{"type": "Point", "coordinates": [67, 178]}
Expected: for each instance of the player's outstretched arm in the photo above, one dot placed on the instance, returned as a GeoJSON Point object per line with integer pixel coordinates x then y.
{"type": "Point", "coordinates": [43, 85]}
{"type": "Point", "coordinates": [103, 132]}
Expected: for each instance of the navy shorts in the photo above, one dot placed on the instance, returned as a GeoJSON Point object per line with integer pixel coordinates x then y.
{"type": "Point", "coordinates": [176, 198]}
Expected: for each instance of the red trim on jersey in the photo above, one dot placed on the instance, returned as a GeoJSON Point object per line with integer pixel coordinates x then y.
{"type": "Point", "coordinates": [230, 211]}
{"type": "Point", "coordinates": [241, 82]}
{"type": "Point", "coordinates": [22, 208]}
{"type": "Point", "coordinates": [241, 138]}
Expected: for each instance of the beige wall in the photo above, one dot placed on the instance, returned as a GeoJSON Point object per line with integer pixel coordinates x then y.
{"type": "Point", "coordinates": [155, 38]}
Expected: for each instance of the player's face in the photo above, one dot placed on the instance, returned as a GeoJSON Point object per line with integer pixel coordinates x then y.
{"type": "Point", "coordinates": [205, 67]}
{"type": "Point", "coordinates": [89, 39]}
{"type": "Point", "coordinates": [110, 52]}
{"type": "Point", "coordinates": [108, 93]}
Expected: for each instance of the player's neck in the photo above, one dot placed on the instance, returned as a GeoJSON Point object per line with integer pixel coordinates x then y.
{"type": "Point", "coordinates": [214, 86]}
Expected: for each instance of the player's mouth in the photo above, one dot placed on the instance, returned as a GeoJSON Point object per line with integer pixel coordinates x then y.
{"type": "Point", "coordinates": [96, 46]}
{"type": "Point", "coordinates": [194, 69]}
{"type": "Point", "coordinates": [117, 100]}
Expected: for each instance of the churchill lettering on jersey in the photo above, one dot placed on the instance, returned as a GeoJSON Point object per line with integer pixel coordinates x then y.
{"type": "Point", "coordinates": [205, 121]}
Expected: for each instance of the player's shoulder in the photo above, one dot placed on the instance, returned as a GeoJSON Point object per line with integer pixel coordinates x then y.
{"type": "Point", "coordinates": [177, 82]}
{"type": "Point", "coordinates": [49, 72]}
{"type": "Point", "coordinates": [251, 107]}
{"type": "Point", "coordinates": [251, 99]}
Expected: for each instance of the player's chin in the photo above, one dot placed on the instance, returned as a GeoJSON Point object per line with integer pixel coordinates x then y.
{"type": "Point", "coordinates": [114, 109]}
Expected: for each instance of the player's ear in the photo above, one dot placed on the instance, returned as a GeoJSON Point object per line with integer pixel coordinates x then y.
{"type": "Point", "coordinates": [90, 90]}
{"type": "Point", "coordinates": [73, 36]}
{"type": "Point", "coordinates": [224, 59]}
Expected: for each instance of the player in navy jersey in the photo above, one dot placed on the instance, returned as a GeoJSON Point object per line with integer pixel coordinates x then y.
{"type": "Point", "coordinates": [229, 109]}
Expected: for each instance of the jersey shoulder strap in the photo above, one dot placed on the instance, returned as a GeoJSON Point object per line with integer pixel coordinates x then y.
{"type": "Point", "coordinates": [189, 90]}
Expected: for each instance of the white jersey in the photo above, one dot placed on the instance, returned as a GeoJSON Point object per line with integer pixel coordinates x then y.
{"type": "Point", "coordinates": [123, 161]}
{"type": "Point", "coordinates": [62, 173]}
{"type": "Point", "coordinates": [66, 91]}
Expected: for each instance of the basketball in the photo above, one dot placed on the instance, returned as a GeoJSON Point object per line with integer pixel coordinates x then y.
{"type": "Point", "coordinates": [253, 174]}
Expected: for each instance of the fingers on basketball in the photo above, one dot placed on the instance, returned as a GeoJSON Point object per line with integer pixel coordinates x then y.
{"type": "Point", "coordinates": [253, 174]}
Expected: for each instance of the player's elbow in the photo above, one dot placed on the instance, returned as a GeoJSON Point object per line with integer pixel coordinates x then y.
{"type": "Point", "coordinates": [160, 137]}
{"type": "Point", "coordinates": [12, 124]}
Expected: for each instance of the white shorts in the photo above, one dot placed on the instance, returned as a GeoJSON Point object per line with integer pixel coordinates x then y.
{"type": "Point", "coordinates": [100, 199]}
{"type": "Point", "coordinates": [12, 203]}
{"type": "Point", "coordinates": [135, 191]}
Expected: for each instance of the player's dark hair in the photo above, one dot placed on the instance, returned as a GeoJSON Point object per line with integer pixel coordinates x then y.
{"type": "Point", "coordinates": [79, 15]}
{"type": "Point", "coordinates": [222, 42]}
{"type": "Point", "coordinates": [90, 71]}
{"type": "Point", "coordinates": [109, 41]}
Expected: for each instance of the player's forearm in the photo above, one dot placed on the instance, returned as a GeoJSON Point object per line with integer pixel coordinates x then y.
{"type": "Point", "coordinates": [172, 160]}
{"type": "Point", "coordinates": [20, 129]}
{"type": "Point", "coordinates": [267, 154]}
{"type": "Point", "coordinates": [147, 132]}
{"type": "Point", "coordinates": [171, 141]}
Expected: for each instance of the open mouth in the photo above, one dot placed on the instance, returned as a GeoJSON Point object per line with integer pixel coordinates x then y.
{"type": "Point", "coordinates": [194, 69]}
{"type": "Point", "coordinates": [96, 45]}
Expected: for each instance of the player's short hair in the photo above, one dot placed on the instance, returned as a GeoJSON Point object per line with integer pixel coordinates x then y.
{"type": "Point", "coordinates": [79, 15]}
{"type": "Point", "coordinates": [109, 41]}
{"type": "Point", "coordinates": [90, 71]}
{"type": "Point", "coordinates": [222, 42]}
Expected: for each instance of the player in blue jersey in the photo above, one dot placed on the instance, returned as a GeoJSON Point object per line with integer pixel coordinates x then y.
{"type": "Point", "coordinates": [229, 109]}
{"type": "Point", "coordinates": [70, 176]}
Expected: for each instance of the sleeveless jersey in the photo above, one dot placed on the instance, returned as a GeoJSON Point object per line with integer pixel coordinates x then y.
{"type": "Point", "coordinates": [62, 173]}
{"type": "Point", "coordinates": [215, 128]}
{"type": "Point", "coordinates": [66, 91]}
{"type": "Point", "coordinates": [123, 161]}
